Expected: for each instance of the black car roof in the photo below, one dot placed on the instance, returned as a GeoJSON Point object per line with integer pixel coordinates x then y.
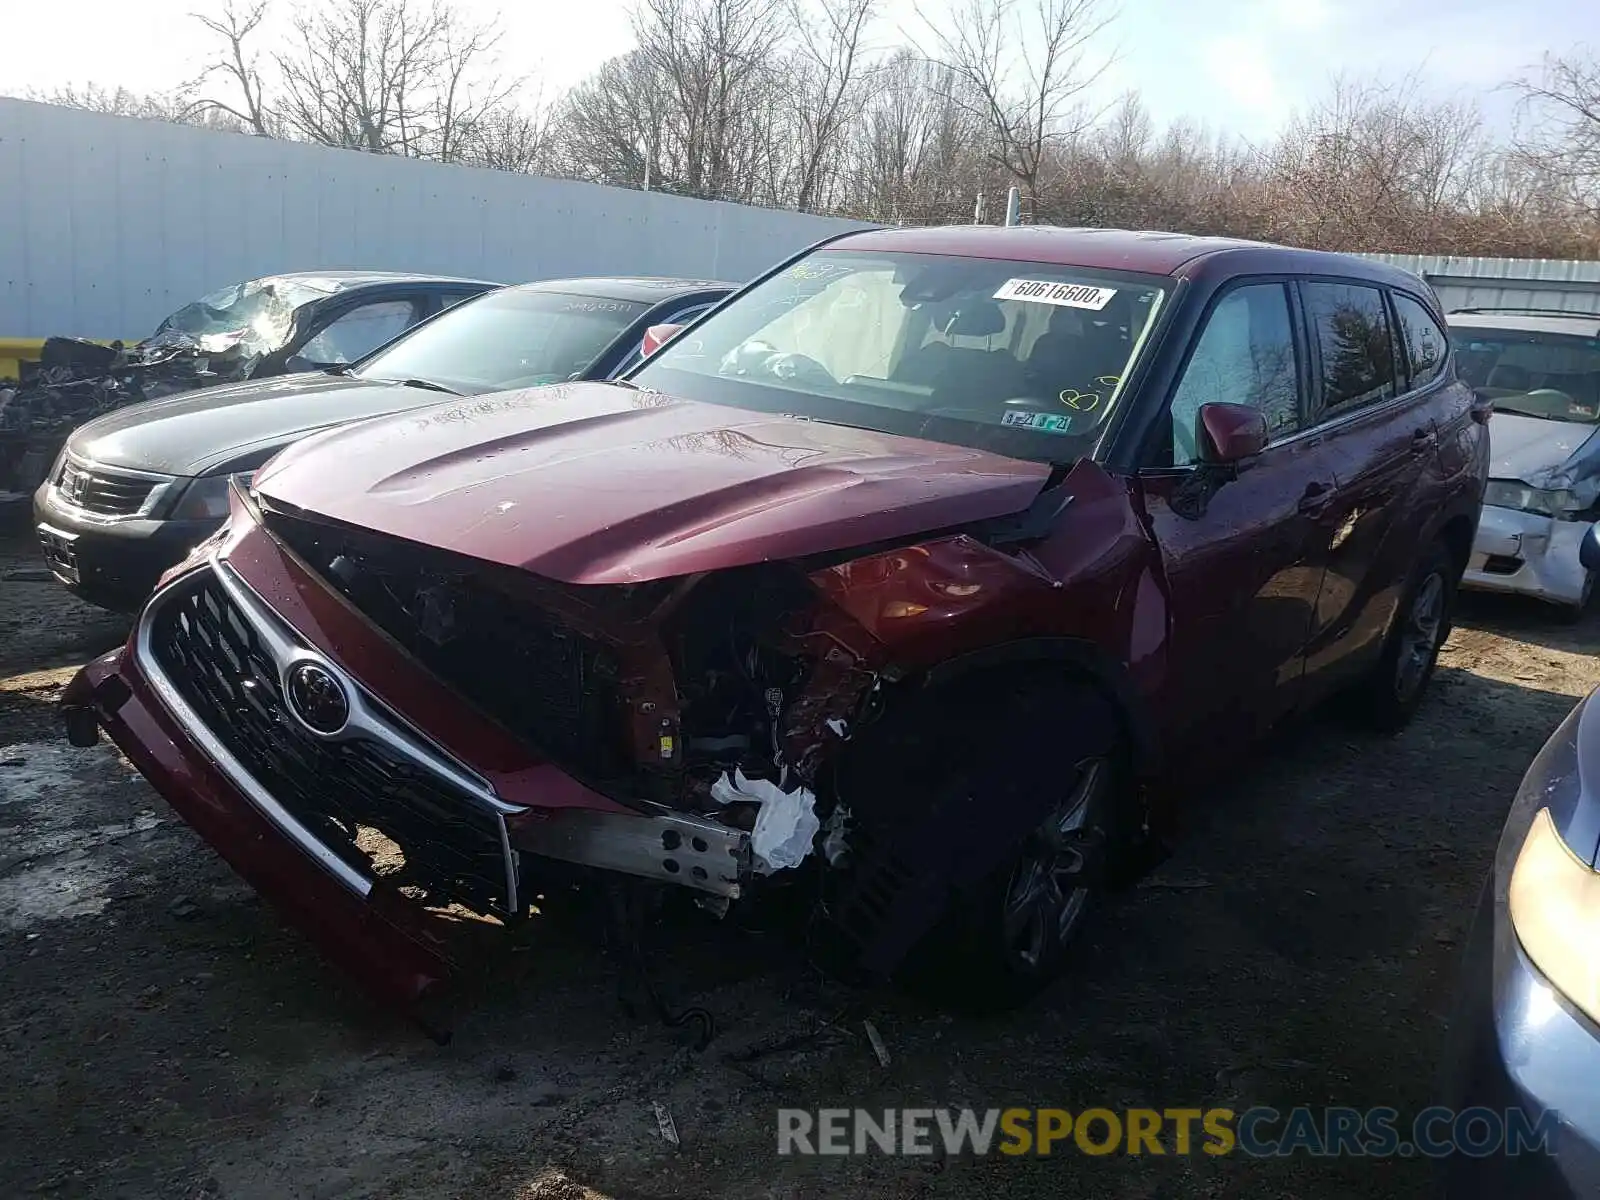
{"type": "Point", "coordinates": [645, 289]}
{"type": "Point", "coordinates": [344, 280]}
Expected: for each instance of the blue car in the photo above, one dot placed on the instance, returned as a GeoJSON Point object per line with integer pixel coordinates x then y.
{"type": "Point", "coordinates": [1526, 1033]}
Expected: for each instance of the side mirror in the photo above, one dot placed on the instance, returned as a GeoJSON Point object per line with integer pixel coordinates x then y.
{"type": "Point", "coordinates": [1589, 548]}
{"type": "Point", "coordinates": [656, 336]}
{"type": "Point", "coordinates": [1231, 433]}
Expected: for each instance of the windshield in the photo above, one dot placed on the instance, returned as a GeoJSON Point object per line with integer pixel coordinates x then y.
{"type": "Point", "coordinates": [507, 339]}
{"type": "Point", "coordinates": [259, 311]}
{"type": "Point", "coordinates": [1551, 375]}
{"type": "Point", "coordinates": [1025, 359]}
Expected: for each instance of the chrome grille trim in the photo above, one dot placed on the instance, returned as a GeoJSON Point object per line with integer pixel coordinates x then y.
{"type": "Point", "coordinates": [367, 720]}
{"type": "Point", "coordinates": [107, 494]}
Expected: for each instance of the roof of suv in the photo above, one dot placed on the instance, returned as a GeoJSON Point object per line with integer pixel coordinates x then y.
{"type": "Point", "coordinates": [1579, 323]}
{"type": "Point", "coordinates": [645, 289]}
{"type": "Point", "coordinates": [1148, 251]}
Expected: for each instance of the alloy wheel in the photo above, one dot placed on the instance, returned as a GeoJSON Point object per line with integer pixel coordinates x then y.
{"type": "Point", "coordinates": [1061, 863]}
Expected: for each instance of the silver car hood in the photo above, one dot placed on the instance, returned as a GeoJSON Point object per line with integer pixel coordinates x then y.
{"type": "Point", "coordinates": [1532, 449]}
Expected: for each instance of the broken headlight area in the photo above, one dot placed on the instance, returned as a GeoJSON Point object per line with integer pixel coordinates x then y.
{"type": "Point", "coordinates": [716, 696]}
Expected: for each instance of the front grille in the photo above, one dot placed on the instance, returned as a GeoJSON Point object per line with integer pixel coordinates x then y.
{"type": "Point", "coordinates": [344, 792]}
{"type": "Point", "coordinates": [104, 492]}
{"type": "Point", "coordinates": [552, 687]}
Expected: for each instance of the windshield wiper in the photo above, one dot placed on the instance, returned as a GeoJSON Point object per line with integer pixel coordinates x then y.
{"type": "Point", "coordinates": [429, 384]}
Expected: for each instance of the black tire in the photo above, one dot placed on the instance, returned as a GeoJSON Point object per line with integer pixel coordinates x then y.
{"type": "Point", "coordinates": [1571, 614]}
{"type": "Point", "coordinates": [1394, 691]}
{"type": "Point", "coordinates": [988, 954]}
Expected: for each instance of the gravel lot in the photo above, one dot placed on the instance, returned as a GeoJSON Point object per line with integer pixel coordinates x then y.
{"type": "Point", "coordinates": [161, 1035]}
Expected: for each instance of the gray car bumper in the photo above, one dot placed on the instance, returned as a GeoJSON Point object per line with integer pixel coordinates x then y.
{"type": "Point", "coordinates": [1516, 1044]}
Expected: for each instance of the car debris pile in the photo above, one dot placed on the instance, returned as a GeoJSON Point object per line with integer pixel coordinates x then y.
{"type": "Point", "coordinates": [218, 339]}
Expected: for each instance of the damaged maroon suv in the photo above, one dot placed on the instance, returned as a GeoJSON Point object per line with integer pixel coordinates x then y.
{"type": "Point", "coordinates": [923, 565]}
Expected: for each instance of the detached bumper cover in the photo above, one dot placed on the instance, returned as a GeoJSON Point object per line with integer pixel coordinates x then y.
{"type": "Point", "coordinates": [1527, 554]}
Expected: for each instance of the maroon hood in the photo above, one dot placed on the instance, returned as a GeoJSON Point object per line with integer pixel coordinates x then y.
{"type": "Point", "coordinates": [596, 483]}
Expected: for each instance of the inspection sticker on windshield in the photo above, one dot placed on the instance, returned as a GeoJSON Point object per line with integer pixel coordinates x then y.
{"type": "Point", "coordinates": [1067, 295]}
{"type": "Point", "coordinates": [1049, 422]}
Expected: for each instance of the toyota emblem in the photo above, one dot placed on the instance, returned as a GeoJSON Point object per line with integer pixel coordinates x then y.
{"type": "Point", "coordinates": [317, 698]}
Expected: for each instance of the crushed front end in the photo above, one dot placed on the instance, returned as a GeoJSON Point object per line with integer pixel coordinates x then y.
{"type": "Point", "coordinates": [372, 731]}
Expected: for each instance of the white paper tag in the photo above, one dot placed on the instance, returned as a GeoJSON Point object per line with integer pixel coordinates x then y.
{"type": "Point", "coordinates": [1067, 295]}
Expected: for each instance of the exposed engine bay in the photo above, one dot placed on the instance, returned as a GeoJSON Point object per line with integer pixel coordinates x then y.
{"type": "Point", "coordinates": [716, 695]}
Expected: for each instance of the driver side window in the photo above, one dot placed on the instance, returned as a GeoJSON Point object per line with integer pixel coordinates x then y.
{"type": "Point", "coordinates": [1245, 355]}
{"type": "Point", "coordinates": [359, 332]}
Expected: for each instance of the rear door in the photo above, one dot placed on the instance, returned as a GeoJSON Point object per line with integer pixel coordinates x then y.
{"type": "Point", "coordinates": [1243, 559]}
{"type": "Point", "coordinates": [1383, 441]}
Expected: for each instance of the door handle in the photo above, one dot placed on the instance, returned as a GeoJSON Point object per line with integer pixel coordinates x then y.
{"type": "Point", "coordinates": [1422, 441]}
{"type": "Point", "coordinates": [1314, 501]}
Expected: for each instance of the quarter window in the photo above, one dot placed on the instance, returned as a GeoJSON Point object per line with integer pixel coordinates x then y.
{"type": "Point", "coordinates": [1245, 355]}
{"type": "Point", "coordinates": [1425, 342]}
{"type": "Point", "coordinates": [1351, 330]}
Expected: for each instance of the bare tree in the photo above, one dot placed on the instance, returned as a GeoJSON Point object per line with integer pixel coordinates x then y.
{"type": "Point", "coordinates": [388, 77]}
{"type": "Point", "coordinates": [610, 128]}
{"type": "Point", "coordinates": [1564, 141]}
{"type": "Point", "coordinates": [1023, 67]}
{"type": "Point", "coordinates": [915, 156]}
{"type": "Point", "coordinates": [1374, 165]}
{"type": "Point", "coordinates": [712, 62]}
{"type": "Point", "coordinates": [514, 137]}
{"type": "Point", "coordinates": [177, 106]}
{"type": "Point", "coordinates": [828, 85]}
{"type": "Point", "coordinates": [237, 67]}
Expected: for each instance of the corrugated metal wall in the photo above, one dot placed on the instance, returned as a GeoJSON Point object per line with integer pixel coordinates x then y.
{"type": "Point", "coordinates": [107, 223]}
{"type": "Point", "coordinates": [1545, 283]}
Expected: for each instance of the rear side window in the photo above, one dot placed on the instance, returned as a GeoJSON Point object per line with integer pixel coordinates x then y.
{"type": "Point", "coordinates": [1425, 342]}
{"type": "Point", "coordinates": [1245, 355]}
{"type": "Point", "coordinates": [1351, 330]}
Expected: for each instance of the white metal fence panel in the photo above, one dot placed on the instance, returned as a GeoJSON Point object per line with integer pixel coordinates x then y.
{"type": "Point", "coordinates": [108, 223]}
{"type": "Point", "coordinates": [1544, 283]}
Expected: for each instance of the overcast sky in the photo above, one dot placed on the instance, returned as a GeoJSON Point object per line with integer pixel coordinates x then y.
{"type": "Point", "coordinates": [1239, 65]}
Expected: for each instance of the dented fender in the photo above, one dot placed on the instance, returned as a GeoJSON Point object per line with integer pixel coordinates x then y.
{"type": "Point", "coordinates": [1089, 592]}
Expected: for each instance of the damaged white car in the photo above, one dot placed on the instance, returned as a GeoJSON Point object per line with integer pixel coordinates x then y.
{"type": "Point", "coordinates": [1541, 371]}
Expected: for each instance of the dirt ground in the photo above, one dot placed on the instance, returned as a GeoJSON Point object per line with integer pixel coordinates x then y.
{"type": "Point", "coordinates": [162, 1035]}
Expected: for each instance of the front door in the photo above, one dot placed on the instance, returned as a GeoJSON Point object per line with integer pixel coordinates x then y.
{"type": "Point", "coordinates": [1244, 558]}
